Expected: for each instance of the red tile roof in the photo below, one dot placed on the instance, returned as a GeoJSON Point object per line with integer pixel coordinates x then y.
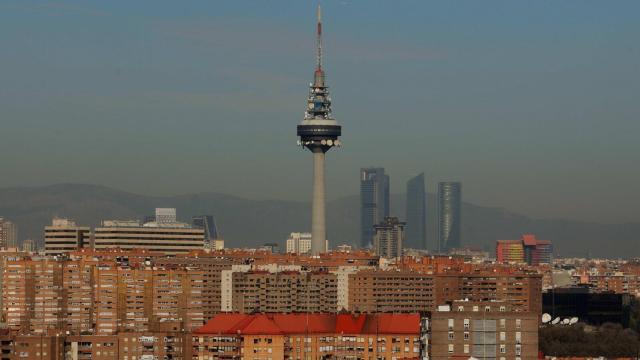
{"type": "Point", "coordinates": [283, 324]}
{"type": "Point", "coordinates": [529, 240]}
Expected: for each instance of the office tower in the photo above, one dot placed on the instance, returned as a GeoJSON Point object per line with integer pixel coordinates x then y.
{"type": "Point", "coordinates": [8, 234]}
{"type": "Point", "coordinates": [509, 251]}
{"type": "Point", "coordinates": [449, 209]}
{"type": "Point", "coordinates": [63, 235]}
{"type": "Point", "coordinates": [527, 250]}
{"type": "Point", "coordinates": [318, 132]}
{"type": "Point", "coordinates": [165, 215]}
{"type": "Point", "coordinates": [416, 229]}
{"type": "Point", "coordinates": [164, 236]}
{"type": "Point", "coordinates": [208, 223]}
{"type": "Point", "coordinates": [389, 237]}
{"type": "Point", "coordinates": [299, 243]}
{"type": "Point", "coordinates": [374, 202]}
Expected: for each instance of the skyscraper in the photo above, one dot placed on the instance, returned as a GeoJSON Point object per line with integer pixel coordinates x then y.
{"type": "Point", "coordinates": [416, 228]}
{"type": "Point", "coordinates": [8, 234]}
{"type": "Point", "coordinates": [449, 208]}
{"type": "Point", "coordinates": [318, 132]}
{"type": "Point", "coordinates": [374, 202]}
{"type": "Point", "coordinates": [208, 223]}
{"type": "Point", "coordinates": [389, 237]}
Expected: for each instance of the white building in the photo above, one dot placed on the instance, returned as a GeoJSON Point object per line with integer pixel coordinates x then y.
{"type": "Point", "coordinates": [299, 243]}
{"type": "Point", "coordinates": [63, 235]}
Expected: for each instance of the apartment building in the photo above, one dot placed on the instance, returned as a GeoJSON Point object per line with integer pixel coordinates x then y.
{"type": "Point", "coordinates": [282, 291]}
{"type": "Point", "coordinates": [391, 291]}
{"type": "Point", "coordinates": [398, 290]}
{"type": "Point", "coordinates": [308, 336]}
{"type": "Point", "coordinates": [482, 330]}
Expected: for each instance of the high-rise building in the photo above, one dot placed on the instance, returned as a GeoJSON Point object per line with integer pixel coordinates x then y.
{"type": "Point", "coordinates": [167, 237]}
{"type": "Point", "coordinates": [8, 234]}
{"type": "Point", "coordinates": [63, 235]}
{"type": "Point", "coordinates": [416, 229]}
{"type": "Point", "coordinates": [299, 243]}
{"type": "Point", "coordinates": [318, 132]}
{"type": "Point", "coordinates": [28, 246]}
{"type": "Point", "coordinates": [374, 202]}
{"type": "Point", "coordinates": [208, 223]}
{"type": "Point", "coordinates": [449, 215]}
{"type": "Point", "coordinates": [389, 238]}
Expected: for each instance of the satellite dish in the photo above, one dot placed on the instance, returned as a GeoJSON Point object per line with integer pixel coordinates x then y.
{"type": "Point", "coordinates": [546, 318]}
{"type": "Point", "coordinates": [565, 321]}
{"type": "Point", "coordinates": [573, 320]}
{"type": "Point", "coordinates": [555, 321]}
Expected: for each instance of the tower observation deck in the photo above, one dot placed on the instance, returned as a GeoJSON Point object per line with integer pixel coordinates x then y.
{"type": "Point", "coordinates": [318, 132]}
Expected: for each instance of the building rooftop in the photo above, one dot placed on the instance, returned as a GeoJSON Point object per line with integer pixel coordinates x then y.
{"type": "Point", "coordinates": [311, 323]}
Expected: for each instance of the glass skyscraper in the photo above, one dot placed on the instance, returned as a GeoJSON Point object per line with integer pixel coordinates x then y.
{"type": "Point", "coordinates": [449, 219]}
{"type": "Point", "coordinates": [208, 223]}
{"type": "Point", "coordinates": [374, 202]}
{"type": "Point", "coordinates": [416, 228]}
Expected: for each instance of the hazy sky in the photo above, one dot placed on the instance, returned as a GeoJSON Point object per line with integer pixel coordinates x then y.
{"type": "Point", "coordinates": [533, 105]}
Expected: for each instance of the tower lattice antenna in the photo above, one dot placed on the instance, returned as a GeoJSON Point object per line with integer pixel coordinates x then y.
{"type": "Point", "coordinates": [319, 39]}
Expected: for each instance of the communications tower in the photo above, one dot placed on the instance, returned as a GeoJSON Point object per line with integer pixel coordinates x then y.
{"type": "Point", "coordinates": [318, 132]}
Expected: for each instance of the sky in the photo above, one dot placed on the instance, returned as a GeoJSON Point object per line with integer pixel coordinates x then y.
{"type": "Point", "coordinates": [532, 105]}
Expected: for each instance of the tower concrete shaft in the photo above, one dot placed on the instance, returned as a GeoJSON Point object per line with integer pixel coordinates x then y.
{"type": "Point", "coordinates": [319, 132]}
{"type": "Point", "coordinates": [318, 213]}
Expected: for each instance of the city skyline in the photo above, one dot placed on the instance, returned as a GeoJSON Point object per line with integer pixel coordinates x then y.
{"type": "Point", "coordinates": [535, 92]}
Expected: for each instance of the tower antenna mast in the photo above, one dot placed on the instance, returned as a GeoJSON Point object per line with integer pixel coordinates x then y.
{"type": "Point", "coordinates": [319, 39]}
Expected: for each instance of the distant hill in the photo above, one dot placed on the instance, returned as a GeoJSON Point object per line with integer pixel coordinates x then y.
{"type": "Point", "coordinates": [245, 222]}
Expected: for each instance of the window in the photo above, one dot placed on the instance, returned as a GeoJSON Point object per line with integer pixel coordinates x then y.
{"type": "Point", "coordinates": [475, 307]}
{"type": "Point", "coordinates": [466, 348]}
{"type": "Point", "coordinates": [450, 335]}
{"type": "Point", "coordinates": [518, 323]}
{"type": "Point", "coordinates": [466, 324]}
{"type": "Point", "coordinates": [503, 323]}
{"type": "Point", "coordinates": [460, 308]}
{"type": "Point", "coordinates": [503, 308]}
{"type": "Point", "coordinates": [518, 349]}
{"type": "Point", "coordinates": [450, 348]}
{"type": "Point", "coordinates": [503, 336]}
{"type": "Point", "coordinates": [487, 308]}
{"type": "Point", "coordinates": [518, 337]}
{"type": "Point", "coordinates": [503, 349]}
{"type": "Point", "coordinates": [450, 324]}
{"type": "Point", "coordinates": [466, 335]}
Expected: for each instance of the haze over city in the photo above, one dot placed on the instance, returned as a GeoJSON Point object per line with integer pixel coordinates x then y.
{"type": "Point", "coordinates": [532, 105]}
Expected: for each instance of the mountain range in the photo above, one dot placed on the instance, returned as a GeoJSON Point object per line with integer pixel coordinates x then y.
{"type": "Point", "coordinates": [249, 223]}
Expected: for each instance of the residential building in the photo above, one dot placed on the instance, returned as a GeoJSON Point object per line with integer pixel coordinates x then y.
{"type": "Point", "coordinates": [388, 240]}
{"type": "Point", "coordinates": [374, 202]}
{"type": "Point", "coordinates": [309, 336]}
{"type": "Point", "coordinates": [416, 213]}
{"type": "Point", "coordinates": [449, 215]}
{"type": "Point", "coordinates": [8, 234]}
{"type": "Point", "coordinates": [482, 330]}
